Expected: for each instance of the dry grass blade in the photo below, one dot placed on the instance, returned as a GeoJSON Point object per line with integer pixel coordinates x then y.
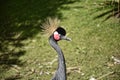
{"type": "Point", "coordinates": [73, 69]}
{"type": "Point", "coordinates": [104, 75]}
{"type": "Point", "coordinates": [116, 61]}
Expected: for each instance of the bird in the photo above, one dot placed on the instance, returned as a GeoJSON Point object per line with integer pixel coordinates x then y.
{"type": "Point", "coordinates": [57, 33]}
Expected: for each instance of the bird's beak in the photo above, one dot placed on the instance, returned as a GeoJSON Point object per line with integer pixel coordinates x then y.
{"type": "Point", "coordinates": [65, 38]}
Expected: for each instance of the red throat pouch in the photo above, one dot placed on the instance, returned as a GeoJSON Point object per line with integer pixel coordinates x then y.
{"type": "Point", "coordinates": [56, 37]}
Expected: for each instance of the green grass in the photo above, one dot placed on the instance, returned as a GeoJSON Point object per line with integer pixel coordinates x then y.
{"type": "Point", "coordinates": [25, 53]}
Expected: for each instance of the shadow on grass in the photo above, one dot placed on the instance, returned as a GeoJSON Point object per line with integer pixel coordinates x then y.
{"type": "Point", "coordinates": [20, 20]}
{"type": "Point", "coordinates": [114, 9]}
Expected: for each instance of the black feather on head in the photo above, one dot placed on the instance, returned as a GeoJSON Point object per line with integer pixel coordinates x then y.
{"type": "Point", "coordinates": [61, 31]}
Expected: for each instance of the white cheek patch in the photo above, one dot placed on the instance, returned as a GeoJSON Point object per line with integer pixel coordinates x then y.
{"type": "Point", "coordinates": [55, 32]}
{"type": "Point", "coordinates": [56, 36]}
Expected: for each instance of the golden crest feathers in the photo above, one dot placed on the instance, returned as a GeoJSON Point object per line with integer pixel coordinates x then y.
{"type": "Point", "coordinates": [50, 25]}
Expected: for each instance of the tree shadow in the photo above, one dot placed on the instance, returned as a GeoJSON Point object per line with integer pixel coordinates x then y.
{"type": "Point", "coordinates": [20, 20]}
{"type": "Point", "coordinates": [112, 9]}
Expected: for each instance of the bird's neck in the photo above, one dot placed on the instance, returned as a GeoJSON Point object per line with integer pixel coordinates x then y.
{"type": "Point", "coordinates": [61, 71]}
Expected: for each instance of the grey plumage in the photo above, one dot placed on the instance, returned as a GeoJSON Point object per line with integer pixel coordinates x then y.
{"type": "Point", "coordinates": [61, 71]}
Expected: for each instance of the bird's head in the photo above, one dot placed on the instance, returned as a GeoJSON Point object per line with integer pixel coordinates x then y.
{"type": "Point", "coordinates": [59, 34]}
{"type": "Point", "coordinates": [51, 27]}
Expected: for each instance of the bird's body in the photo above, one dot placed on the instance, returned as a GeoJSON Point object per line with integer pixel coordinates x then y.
{"type": "Point", "coordinates": [57, 33]}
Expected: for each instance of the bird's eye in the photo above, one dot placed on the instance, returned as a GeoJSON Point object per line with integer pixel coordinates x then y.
{"type": "Point", "coordinates": [56, 36]}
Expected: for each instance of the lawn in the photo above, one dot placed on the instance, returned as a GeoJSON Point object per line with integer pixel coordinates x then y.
{"type": "Point", "coordinates": [25, 53]}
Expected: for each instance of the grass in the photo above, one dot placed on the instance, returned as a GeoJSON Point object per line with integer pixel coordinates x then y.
{"type": "Point", "coordinates": [25, 53]}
